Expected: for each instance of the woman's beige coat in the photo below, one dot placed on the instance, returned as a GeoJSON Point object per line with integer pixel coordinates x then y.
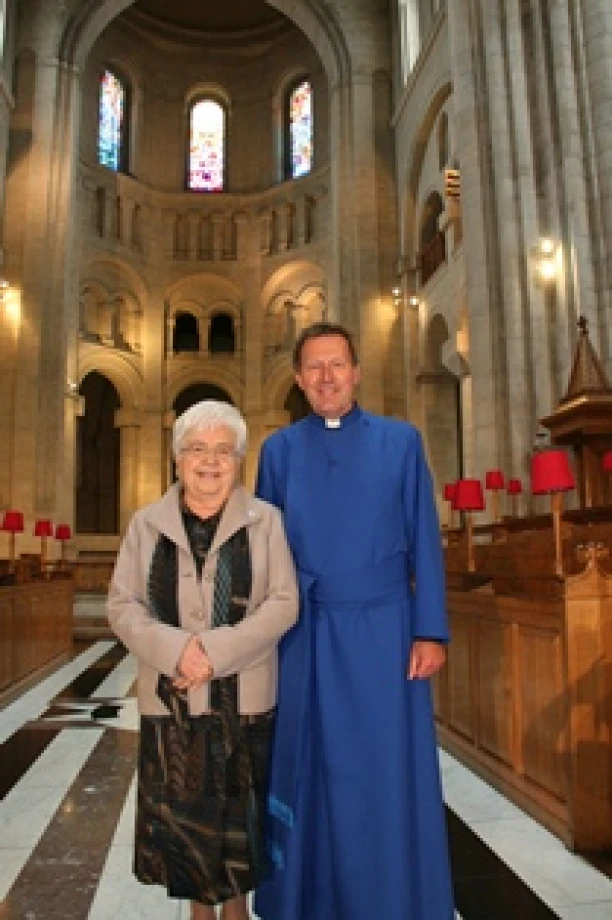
{"type": "Point", "coordinates": [248, 649]}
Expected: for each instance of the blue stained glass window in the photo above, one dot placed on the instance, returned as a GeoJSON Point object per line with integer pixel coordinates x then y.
{"type": "Point", "coordinates": [207, 147]}
{"type": "Point", "coordinates": [111, 121]}
{"type": "Point", "coordinates": [300, 130]}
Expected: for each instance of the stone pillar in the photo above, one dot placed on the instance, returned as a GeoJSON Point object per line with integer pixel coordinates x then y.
{"type": "Point", "coordinates": [596, 16]}
{"type": "Point", "coordinates": [539, 333]}
{"type": "Point", "coordinates": [217, 224]}
{"type": "Point", "coordinates": [128, 421]}
{"type": "Point", "coordinates": [485, 444]}
{"type": "Point", "coordinates": [507, 254]}
{"type": "Point", "coordinates": [573, 153]}
{"type": "Point", "coordinates": [152, 449]}
{"type": "Point", "coordinates": [193, 228]}
{"type": "Point", "coordinates": [40, 195]}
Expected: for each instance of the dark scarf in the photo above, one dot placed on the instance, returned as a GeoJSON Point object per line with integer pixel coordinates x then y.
{"type": "Point", "coordinates": [232, 590]}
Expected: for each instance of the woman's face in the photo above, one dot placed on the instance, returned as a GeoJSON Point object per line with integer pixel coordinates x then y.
{"type": "Point", "coordinates": [207, 466]}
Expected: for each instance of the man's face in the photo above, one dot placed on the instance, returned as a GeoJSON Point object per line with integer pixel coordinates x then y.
{"type": "Point", "coordinates": [327, 376]}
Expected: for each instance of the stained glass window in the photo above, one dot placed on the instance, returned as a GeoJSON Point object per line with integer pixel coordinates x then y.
{"type": "Point", "coordinates": [111, 127]}
{"type": "Point", "coordinates": [207, 147]}
{"type": "Point", "coordinates": [300, 130]}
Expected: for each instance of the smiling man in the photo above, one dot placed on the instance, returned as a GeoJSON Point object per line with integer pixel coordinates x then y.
{"type": "Point", "coordinates": [356, 816]}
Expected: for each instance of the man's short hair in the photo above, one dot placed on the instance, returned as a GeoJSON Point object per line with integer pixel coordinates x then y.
{"type": "Point", "coordinates": [318, 331]}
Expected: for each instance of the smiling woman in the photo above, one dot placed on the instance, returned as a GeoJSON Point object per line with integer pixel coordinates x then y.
{"type": "Point", "coordinates": [203, 589]}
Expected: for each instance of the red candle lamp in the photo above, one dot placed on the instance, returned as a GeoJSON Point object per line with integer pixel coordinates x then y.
{"type": "Point", "coordinates": [63, 533]}
{"type": "Point", "coordinates": [43, 529]}
{"type": "Point", "coordinates": [469, 497]}
{"type": "Point", "coordinates": [514, 488]}
{"type": "Point", "coordinates": [449, 496]}
{"type": "Point", "coordinates": [494, 481]}
{"type": "Point", "coordinates": [552, 474]}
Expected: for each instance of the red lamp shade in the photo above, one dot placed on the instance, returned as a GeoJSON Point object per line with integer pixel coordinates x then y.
{"type": "Point", "coordinates": [551, 472]}
{"type": "Point", "coordinates": [449, 491]}
{"type": "Point", "coordinates": [13, 521]}
{"type": "Point", "coordinates": [494, 479]}
{"type": "Point", "coordinates": [469, 495]}
{"type": "Point", "coordinates": [43, 529]}
{"type": "Point", "coordinates": [63, 532]}
{"type": "Point", "coordinates": [514, 487]}
{"type": "Point", "coordinates": [606, 462]}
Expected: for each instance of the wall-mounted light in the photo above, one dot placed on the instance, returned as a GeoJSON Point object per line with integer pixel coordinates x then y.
{"type": "Point", "coordinates": [72, 389]}
{"type": "Point", "coordinates": [413, 301]}
{"type": "Point", "coordinates": [546, 259]}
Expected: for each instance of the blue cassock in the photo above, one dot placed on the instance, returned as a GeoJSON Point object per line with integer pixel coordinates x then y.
{"type": "Point", "coordinates": [356, 827]}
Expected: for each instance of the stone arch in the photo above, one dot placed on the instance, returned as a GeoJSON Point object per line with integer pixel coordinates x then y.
{"type": "Point", "coordinates": [117, 368]}
{"type": "Point", "coordinates": [291, 298]}
{"type": "Point", "coordinates": [323, 31]}
{"type": "Point", "coordinates": [278, 383]}
{"type": "Point", "coordinates": [210, 374]}
{"type": "Point", "coordinates": [195, 392]}
{"type": "Point", "coordinates": [408, 209]}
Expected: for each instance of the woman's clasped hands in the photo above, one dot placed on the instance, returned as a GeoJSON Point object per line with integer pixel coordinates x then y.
{"type": "Point", "coordinates": [194, 667]}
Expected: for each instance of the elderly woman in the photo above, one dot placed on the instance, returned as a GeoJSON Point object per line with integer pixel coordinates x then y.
{"type": "Point", "coordinates": [203, 589]}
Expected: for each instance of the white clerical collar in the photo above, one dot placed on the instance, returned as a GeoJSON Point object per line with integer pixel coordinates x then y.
{"type": "Point", "coordinates": [333, 422]}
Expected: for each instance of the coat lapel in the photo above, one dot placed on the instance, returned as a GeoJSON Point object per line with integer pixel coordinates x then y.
{"type": "Point", "coordinates": [240, 511]}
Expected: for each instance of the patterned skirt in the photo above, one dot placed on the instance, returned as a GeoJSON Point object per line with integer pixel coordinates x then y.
{"type": "Point", "coordinates": [201, 805]}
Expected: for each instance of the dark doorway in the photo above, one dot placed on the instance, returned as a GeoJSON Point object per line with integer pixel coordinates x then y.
{"type": "Point", "coordinates": [98, 457]}
{"type": "Point", "coordinates": [296, 404]}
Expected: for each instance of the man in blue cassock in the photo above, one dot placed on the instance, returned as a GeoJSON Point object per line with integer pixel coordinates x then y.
{"type": "Point", "coordinates": [356, 820]}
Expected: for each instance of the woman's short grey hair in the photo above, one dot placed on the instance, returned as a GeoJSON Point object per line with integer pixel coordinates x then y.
{"type": "Point", "coordinates": [209, 414]}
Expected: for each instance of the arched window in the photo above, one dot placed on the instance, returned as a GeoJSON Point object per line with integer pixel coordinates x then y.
{"type": "Point", "coordinates": [299, 136]}
{"type": "Point", "coordinates": [221, 338]}
{"type": "Point", "coordinates": [186, 336]}
{"type": "Point", "coordinates": [207, 127]}
{"type": "Point", "coordinates": [409, 33]}
{"type": "Point", "coordinates": [433, 244]}
{"type": "Point", "coordinates": [112, 122]}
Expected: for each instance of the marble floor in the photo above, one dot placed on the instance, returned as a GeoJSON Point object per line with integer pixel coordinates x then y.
{"type": "Point", "coordinates": [68, 748]}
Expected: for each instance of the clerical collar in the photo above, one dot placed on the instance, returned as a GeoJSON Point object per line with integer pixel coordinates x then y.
{"type": "Point", "coordinates": [334, 424]}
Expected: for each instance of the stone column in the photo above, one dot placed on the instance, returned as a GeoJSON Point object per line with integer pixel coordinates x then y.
{"type": "Point", "coordinates": [217, 225]}
{"type": "Point", "coordinates": [508, 260]}
{"type": "Point", "coordinates": [40, 195]}
{"type": "Point", "coordinates": [467, 96]}
{"type": "Point", "coordinates": [573, 153]}
{"type": "Point", "coordinates": [596, 16]}
{"type": "Point", "coordinates": [128, 421]}
{"type": "Point", "coordinates": [153, 474]}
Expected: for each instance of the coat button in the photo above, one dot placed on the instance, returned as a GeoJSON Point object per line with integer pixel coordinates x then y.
{"type": "Point", "coordinates": [198, 614]}
{"type": "Point", "coordinates": [209, 576]}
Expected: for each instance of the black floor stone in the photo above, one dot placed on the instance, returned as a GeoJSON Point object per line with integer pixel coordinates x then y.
{"type": "Point", "coordinates": [485, 887]}
{"type": "Point", "coordinates": [19, 752]}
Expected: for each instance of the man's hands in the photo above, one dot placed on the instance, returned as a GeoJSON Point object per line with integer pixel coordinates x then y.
{"type": "Point", "coordinates": [426, 658]}
{"type": "Point", "coordinates": [194, 667]}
